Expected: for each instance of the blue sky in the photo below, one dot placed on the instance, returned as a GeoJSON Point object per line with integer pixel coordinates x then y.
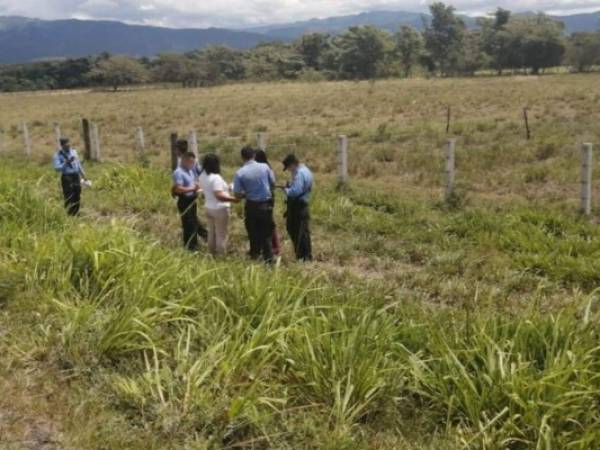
{"type": "Point", "coordinates": [245, 13]}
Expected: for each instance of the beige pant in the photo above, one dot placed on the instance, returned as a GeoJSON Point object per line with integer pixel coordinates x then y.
{"type": "Point", "coordinates": [218, 224]}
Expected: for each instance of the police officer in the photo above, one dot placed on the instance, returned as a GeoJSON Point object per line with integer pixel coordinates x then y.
{"type": "Point", "coordinates": [298, 215]}
{"type": "Point", "coordinates": [66, 161]}
{"type": "Point", "coordinates": [255, 182]}
{"type": "Point", "coordinates": [182, 148]}
{"type": "Point", "coordinates": [186, 188]}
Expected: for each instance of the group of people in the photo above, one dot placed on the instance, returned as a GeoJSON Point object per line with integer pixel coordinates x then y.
{"type": "Point", "coordinates": [254, 183]}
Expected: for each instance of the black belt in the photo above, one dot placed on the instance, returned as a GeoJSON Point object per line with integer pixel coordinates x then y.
{"type": "Point", "coordinates": [267, 204]}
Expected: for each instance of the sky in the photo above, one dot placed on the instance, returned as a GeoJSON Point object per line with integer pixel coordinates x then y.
{"type": "Point", "coordinates": [248, 13]}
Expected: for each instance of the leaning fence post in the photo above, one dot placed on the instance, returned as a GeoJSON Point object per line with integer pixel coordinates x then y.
{"type": "Point", "coordinates": [586, 179]}
{"type": "Point", "coordinates": [342, 158]}
{"type": "Point", "coordinates": [193, 142]}
{"type": "Point", "coordinates": [261, 141]}
{"type": "Point", "coordinates": [141, 141]}
{"type": "Point", "coordinates": [57, 134]}
{"type": "Point", "coordinates": [174, 155]}
{"type": "Point", "coordinates": [450, 168]}
{"type": "Point", "coordinates": [96, 153]}
{"type": "Point", "coordinates": [87, 140]}
{"type": "Point", "coordinates": [26, 140]}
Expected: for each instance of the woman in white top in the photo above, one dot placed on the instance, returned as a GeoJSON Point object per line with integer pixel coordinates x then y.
{"type": "Point", "coordinates": [217, 204]}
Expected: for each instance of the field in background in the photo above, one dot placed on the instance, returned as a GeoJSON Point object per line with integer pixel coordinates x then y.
{"type": "Point", "coordinates": [478, 315]}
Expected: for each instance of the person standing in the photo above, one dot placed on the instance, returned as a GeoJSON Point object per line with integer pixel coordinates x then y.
{"type": "Point", "coordinates": [261, 157]}
{"type": "Point", "coordinates": [255, 182]}
{"type": "Point", "coordinates": [298, 214]}
{"type": "Point", "coordinates": [182, 148]}
{"type": "Point", "coordinates": [185, 187]}
{"type": "Point", "coordinates": [66, 161]}
{"type": "Point", "coordinates": [217, 204]}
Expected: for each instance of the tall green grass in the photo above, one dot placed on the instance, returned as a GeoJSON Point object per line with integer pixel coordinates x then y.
{"type": "Point", "coordinates": [225, 354]}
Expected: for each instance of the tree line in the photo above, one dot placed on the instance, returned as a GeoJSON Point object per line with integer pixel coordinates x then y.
{"type": "Point", "coordinates": [445, 47]}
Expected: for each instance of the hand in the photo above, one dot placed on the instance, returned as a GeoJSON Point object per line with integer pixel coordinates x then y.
{"type": "Point", "coordinates": [71, 159]}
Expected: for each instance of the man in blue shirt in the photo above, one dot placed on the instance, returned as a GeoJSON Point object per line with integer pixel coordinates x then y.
{"type": "Point", "coordinates": [66, 161]}
{"type": "Point", "coordinates": [182, 148]}
{"type": "Point", "coordinates": [255, 183]}
{"type": "Point", "coordinates": [298, 214]}
{"type": "Point", "coordinates": [185, 187]}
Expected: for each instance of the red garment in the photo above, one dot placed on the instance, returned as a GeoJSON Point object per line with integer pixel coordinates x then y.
{"type": "Point", "coordinates": [276, 243]}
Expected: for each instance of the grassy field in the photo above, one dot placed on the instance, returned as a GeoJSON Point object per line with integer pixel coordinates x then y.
{"type": "Point", "coordinates": [421, 325]}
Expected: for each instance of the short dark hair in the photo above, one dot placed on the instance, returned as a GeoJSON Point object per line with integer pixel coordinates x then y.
{"type": "Point", "coordinates": [248, 153]}
{"type": "Point", "coordinates": [290, 160]}
{"type": "Point", "coordinates": [64, 141]}
{"type": "Point", "coordinates": [181, 145]}
{"type": "Point", "coordinates": [211, 163]}
{"type": "Point", "coordinates": [188, 155]}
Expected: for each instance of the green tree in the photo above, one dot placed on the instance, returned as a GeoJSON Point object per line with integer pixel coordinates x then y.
{"type": "Point", "coordinates": [409, 46]}
{"type": "Point", "coordinates": [583, 51]}
{"type": "Point", "coordinates": [444, 37]}
{"type": "Point", "coordinates": [362, 50]}
{"type": "Point", "coordinates": [227, 62]}
{"type": "Point", "coordinates": [495, 40]}
{"type": "Point", "coordinates": [312, 47]}
{"type": "Point", "coordinates": [117, 71]}
{"type": "Point", "coordinates": [273, 61]}
{"type": "Point", "coordinates": [536, 42]}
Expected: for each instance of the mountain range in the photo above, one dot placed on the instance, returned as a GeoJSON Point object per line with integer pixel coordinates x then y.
{"type": "Point", "coordinates": [23, 39]}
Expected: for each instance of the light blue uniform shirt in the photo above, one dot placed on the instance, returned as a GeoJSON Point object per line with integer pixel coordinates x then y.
{"type": "Point", "coordinates": [255, 181]}
{"type": "Point", "coordinates": [302, 184]}
{"type": "Point", "coordinates": [185, 178]}
{"type": "Point", "coordinates": [61, 162]}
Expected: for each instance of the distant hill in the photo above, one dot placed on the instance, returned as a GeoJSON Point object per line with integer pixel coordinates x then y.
{"type": "Point", "coordinates": [23, 40]}
{"type": "Point", "coordinates": [392, 20]}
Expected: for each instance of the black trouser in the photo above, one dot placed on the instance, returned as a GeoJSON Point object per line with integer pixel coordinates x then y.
{"type": "Point", "coordinates": [298, 227]}
{"type": "Point", "coordinates": [71, 186]}
{"type": "Point", "coordinates": [192, 228]}
{"type": "Point", "coordinates": [260, 225]}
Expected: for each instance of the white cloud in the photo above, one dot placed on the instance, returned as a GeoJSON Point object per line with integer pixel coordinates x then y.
{"type": "Point", "coordinates": [240, 13]}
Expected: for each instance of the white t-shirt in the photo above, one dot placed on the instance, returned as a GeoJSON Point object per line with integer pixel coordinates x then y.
{"type": "Point", "coordinates": [210, 184]}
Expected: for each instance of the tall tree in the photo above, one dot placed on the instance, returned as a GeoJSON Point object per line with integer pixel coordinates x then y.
{"type": "Point", "coordinates": [312, 47]}
{"type": "Point", "coordinates": [117, 71]}
{"type": "Point", "coordinates": [583, 51]}
{"type": "Point", "coordinates": [409, 45]}
{"type": "Point", "coordinates": [361, 50]}
{"type": "Point", "coordinates": [495, 40]}
{"type": "Point", "coordinates": [536, 42]}
{"type": "Point", "coordinates": [444, 37]}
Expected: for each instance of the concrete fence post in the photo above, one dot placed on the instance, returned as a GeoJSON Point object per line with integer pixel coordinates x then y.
{"type": "Point", "coordinates": [57, 134]}
{"type": "Point", "coordinates": [87, 140]}
{"type": "Point", "coordinates": [141, 141]}
{"type": "Point", "coordinates": [193, 142]}
{"type": "Point", "coordinates": [450, 168]}
{"type": "Point", "coordinates": [26, 140]}
{"type": "Point", "coordinates": [96, 149]}
{"type": "Point", "coordinates": [174, 155]}
{"type": "Point", "coordinates": [261, 141]}
{"type": "Point", "coordinates": [586, 179]}
{"type": "Point", "coordinates": [342, 158]}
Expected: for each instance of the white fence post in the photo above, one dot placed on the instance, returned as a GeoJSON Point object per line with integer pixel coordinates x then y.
{"type": "Point", "coordinates": [193, 138]}
{"type": "Point", "coordinates": [57, 134]}
{"type": "Point", "coordinates": [342, 158]}
{"type": "Point", "coordinates": [141, 141]}
{"type": "Point", "coordinates": [261, 141]}
{"type": "Point", "coordinates": [586, 179]}
{"type": "Point", "coordinates": [450, 168]}
{"type": "Point", "coordinates": [96, 151]}
{"type": "Point", "coordinates": [26, 140]}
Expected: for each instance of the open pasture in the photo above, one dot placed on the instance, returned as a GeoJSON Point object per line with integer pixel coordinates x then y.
{"type": "Point", "coordinates": [422, 325]}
